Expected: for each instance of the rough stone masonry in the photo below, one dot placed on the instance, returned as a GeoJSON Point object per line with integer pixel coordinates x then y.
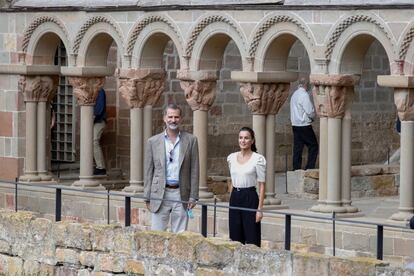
{"type": "Point", "coordinates": [37, 246]}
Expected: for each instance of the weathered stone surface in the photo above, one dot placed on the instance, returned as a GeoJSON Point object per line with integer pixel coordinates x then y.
{"type": "Point", "coordinates": [135, 267]}
{"type": "Point", "coordinates": [215, 252]}
{"type": "Point", "coordinates": [366, 170]}
{"type": "Point", "coordinates": [31, 268]}
{"type": "Point", "coordinates": [152, 243]}
{"type": "Point", "coordinates": [313, 173]}
{"type": "Point", "coordinates": [353, 266]}
{"type": "Point", "coordinates": [183, 246]}
{"type": "Point", "coordinates": [124, 241]}
{"type": "Point", "coordinates": [110, 263]}
{"type": "Point", "coordinates": [75, 235]}
{"type": "Point", "coordinates": [11, 265]}
{"type": "Point", "coordinates": [311, 185]}
{"type": "Point", "coordinates": [69, 256]}
{"type": "Point", "coordinates": [310, 262]}
{"type": "Point", "coordinates": [103, 237]}
{"type": "Point", "coordinates": [209, 272]}
{"type": "Point", "coordinates": [88, 258]}
{"type": "Point", "coordinates": [5, 247]}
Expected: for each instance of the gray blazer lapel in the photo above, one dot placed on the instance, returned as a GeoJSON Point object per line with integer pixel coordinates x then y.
{"type": "Point", "coordinates": [183, 147]}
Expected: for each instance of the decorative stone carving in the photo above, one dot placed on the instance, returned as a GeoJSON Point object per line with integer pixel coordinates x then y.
{"type": "Point", "coordinates": [264, 98]}
{"type": "Point", "coordinates": [200, 94]}
{"type": "Point", "coordinates": [345, 24]}
{"type": "Point", "coordinates": [202, 25]}
{"type": "Point", "coordinates": [404, 100]}
{"type": "Point", "coordinates": [86, 89]}
{"type": "Point", "coordinates": [332, 94]}
{"type": "Point", "coordinates": [48, 88]}
{"type": "Point", "coordinates": [89, 23]}
{"type": "Point", "coordinates": [267, 25]}
{"type": "Point", "coordinates": [31, 88]}
{"type": "Point", "coordinates": [140, 92]}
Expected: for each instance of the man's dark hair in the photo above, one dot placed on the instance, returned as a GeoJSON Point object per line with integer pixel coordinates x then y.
{"type": "Point", "coordinates": [172, 106]}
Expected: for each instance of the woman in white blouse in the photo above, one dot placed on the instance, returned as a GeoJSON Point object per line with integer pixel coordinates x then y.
{"type": "Point", "coordinates": [247, 170]}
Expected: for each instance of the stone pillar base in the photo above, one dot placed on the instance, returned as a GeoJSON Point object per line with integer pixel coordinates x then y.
{"type": "Point", "coordinates": [402, 216]}
{"type": "Point", "coordinates": [135, 187]}
{"type": "Point", "coordinates": [272, 201]}
{"type": "Point", "coordinates": [30, 178]}
{"type": "Point", "coordinates": [88, 184]}
{"type": "Point", "coordinates": [45, 176]}
{"type": "Point", "coordinates": [206, 196]}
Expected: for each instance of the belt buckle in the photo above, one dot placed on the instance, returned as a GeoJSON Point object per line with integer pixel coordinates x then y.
{"type": "Point", "coordinates": [238, 189]}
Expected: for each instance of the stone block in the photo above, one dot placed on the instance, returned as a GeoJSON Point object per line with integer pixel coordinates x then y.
{"type": "Point", "coordinates": [356, 241]}
{"type": "Point", "coordinates": [404, 247]}
{"type": "Point", "coordinates": [124, 241]}
{"type": "Point", "coordinates": [84, 272]}
{"type": "Point", "coordinates": [384, 185]}
{"type": "Point", "coordinates": [31, 268]}
{"type": "Point", "coordinates": [66, 270]}
{"type": "Point", "coordinates": [183, 246]}
{"type": "Point", "coordinates": [215, 252]}
{"type": "Point", "coordinates": [324, 238]}
{"type": "Point", "coordinates": [11, 265]}
{"type": "Point", "coordinates": [356, 266]}
{"type": "Point", "coordinates": [6, 124]}
{"type": "Point", "coordinates": [74, 235]}
{"type": "Point", "coordinates": [366, 170]}
{"type": "Point", "coordinates": [5, 247]}
{"type": "Point", "coordinates": [209, 272]}
{"type": "Point", "coordinates": [314, 173]}
{"type": "Point", "coordinates": [361, 183]}
{"type": "Point", "coordinates": [152, 243]}
{"type": "Point", "coordinates": [11, 167]}
{"type": "Point", "coordinates": [68, 256]}
{"type": "Point", "coordinates": [88, 258]}
{"type": "Point", "coordinates": [311, 186]}
{"type": "Point", "coordinates": [110, 263]}
{"type": "Point", "coordinates": [303, 263]}
{"type": "Point", "coordinates": [135, 267]}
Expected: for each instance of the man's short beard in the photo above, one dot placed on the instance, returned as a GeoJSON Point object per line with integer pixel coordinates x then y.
{"type": "Point", "coordinates": [172, 126]}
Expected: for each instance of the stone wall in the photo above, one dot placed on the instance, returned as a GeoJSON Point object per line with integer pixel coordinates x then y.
{"type": "Point", "coordinates": [37, 246]}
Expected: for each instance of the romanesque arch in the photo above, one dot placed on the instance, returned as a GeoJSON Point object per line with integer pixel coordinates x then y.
{"type": "Point", "coordinates": [273, 39]}
{"type": "Point", "coordinates": [147, 40]}
{"type": "Point", "coordinates": [351, 38]}
{"type": "Point", "coordinates": [406, 51]}
{"type": "Point", "coordinates": [93, 40]}
{"type": "Point", "coordinates": [41, 39]}
{"type": "Point", "coordinates": [215, 30]}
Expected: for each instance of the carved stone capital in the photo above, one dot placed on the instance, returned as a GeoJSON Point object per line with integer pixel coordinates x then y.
{"type": "Point", "coordinates": [200, 94]}
{"type": "Point", "coordinates": [144, 91]}
{"type": "Point", "coordinates": [31, 88]}
{"type": "Point", "coordinates": [48, 88]}
{"type": "Point", "coordinates": [86, 89]}
{"type": "Point", "coordinates": [404, 100]}
{"type": "Point", "coordinates": [264, 98]}
{"type": "Point", "coordinates": [332, 94]}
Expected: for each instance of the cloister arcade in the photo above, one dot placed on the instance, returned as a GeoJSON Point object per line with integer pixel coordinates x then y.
{"type": "Point", "coordinates": [263, 39]}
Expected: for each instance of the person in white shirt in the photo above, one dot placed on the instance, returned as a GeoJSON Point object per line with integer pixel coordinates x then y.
{"type": "Point", "coordinates": [302, 114]}
{"type": "Point", "coordinates": [247, 170]}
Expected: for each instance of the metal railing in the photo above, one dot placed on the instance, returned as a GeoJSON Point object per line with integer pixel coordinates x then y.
{"type": "Point", "coordinates": [204, 213]}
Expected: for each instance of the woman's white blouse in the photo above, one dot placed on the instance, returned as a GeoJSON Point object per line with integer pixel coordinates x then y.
{"type": "Point", "coordinates": [247, 174]}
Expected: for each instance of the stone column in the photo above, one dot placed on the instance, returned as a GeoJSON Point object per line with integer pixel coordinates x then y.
{"type": "Point", "coordinates": [140, 92]}
{"type": "Point", "coordinates": [48, 90]}
{"type": "Point", "coordinates": [31, 88]}
{"type": "Point", "coordinates": [86, 90]}
{"type": "Point", "coordinates": [332, 95]}
{"type": "Point", "coordinates": [404, 100]}
{"type": "Point", "coordinates": [200, 92]}
{"type": "Point", "coordinates": [264, 101]}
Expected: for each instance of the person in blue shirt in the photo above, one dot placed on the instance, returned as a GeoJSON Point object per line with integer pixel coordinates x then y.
{"type": "Point", "coordinates": [99, 124]}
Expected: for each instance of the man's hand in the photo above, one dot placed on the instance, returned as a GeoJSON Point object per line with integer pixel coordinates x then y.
{"type": "Point", "coordinates": [191, 204]}
{"type": "Point", "coordinates": [259, 216]}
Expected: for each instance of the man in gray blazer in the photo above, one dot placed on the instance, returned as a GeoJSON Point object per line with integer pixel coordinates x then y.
{"type": "Point", "coordinates": [171, 173]}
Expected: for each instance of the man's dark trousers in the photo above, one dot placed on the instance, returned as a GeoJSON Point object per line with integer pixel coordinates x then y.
{"type": "Point", "coordinates": [304, 135]}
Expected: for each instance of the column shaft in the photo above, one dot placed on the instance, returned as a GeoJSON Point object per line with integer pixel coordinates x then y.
{"type": "Point", "coordinates": [333, 201]}
{"type": "Point", "coordinates": [270, 162]}
{"type": "Point", "coordinates": [259, 128]}
{"type": "Point", "coordinates": [406, 207]}
{"type": "Point", "coordinates": [137, 152]}
{"type": "Point", "coordinates": [346, 162]}
{"type": "Point", "coordinates": [41, 141]}
{"type": "Point", "coordinates": [86, 148]}
{"type": "Point", "coordinates": [147, 122]}
{"type": "Point", "coordinates": [200, 131]}
{"type": "Point", "coordinates": [31, 143]}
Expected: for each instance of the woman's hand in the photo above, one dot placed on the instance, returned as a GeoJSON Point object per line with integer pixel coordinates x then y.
{"type": "Point", "coordinates": [259, 216]}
